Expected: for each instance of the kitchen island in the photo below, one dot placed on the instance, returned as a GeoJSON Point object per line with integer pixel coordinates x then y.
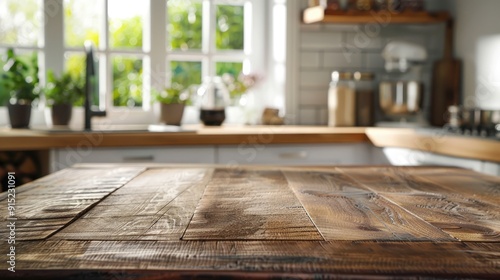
{"type": "Point", "coordinates": [180, 221]}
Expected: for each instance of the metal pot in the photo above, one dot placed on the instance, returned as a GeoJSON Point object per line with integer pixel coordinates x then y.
{"type": "Point", "coordinates": [400, 97]}
{"type": "Point", "coordinates": [489, 122]}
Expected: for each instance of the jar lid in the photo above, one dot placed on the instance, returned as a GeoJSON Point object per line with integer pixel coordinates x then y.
{"type": "Point", "coordinates": [363, 76]}
{"type": "Point", "coordinates": [336, 75]}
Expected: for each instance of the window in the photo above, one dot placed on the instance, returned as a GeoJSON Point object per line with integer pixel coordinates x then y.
{"type": "Point", "coordinates": [20, 27]}
{"type": "Point", "coordinates": [140, 44]}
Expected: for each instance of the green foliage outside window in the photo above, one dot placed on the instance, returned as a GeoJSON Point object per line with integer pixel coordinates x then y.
{"type": "Point", "coordinates": [76, 22]}
{"type": "Point", "coordinates": [185, 24]}
{"type": "Point", "coordinates": [232, 68]}
{"type": "Point", "coordinates": [126, 33]}
{"type": "Point", "coordinates": [127, 82]}
{"type": "Point", "coordinates": [229, 27]}
{"type": "Point", "coordinates": [186, 73]}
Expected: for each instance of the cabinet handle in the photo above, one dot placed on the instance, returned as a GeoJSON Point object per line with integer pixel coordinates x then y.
{"type": "Point", "coordinates": [294, 155]}
{"type": "Point", "coordinates": [149, 158]}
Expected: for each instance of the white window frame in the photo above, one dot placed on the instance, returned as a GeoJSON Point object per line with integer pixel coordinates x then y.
{"type": "Point", "coordinates": [156, 57]}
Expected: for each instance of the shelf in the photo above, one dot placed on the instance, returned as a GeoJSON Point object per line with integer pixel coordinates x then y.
{"type": "Point", "coordinates": [320, 15]}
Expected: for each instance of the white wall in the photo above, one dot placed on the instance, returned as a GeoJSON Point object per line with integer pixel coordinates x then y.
{"type": "Point", "coordinates": [477, 43]}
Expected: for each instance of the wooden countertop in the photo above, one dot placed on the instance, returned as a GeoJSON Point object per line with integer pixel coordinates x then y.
{"type": "Point", "coordinates": [263, 222]}
{"type": "Point", "coordinates": [198, 135]}
{"type": "Point", "coordinates": [436, 141]}
{"type": "Point", "coordinates": [457, 146]}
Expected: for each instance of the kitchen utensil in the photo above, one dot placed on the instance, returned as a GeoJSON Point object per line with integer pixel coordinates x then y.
{"type": "Point", "coordinates": [489, 121]}
{"type": "Point", "coordinates": [400, 98]}
{"type": "Point", "coordinates": [445, 81]}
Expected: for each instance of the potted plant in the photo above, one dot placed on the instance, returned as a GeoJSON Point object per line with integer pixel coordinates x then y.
{"type": "Point", "coordinates": [62, 94]}
{"type": "Point", "coordinates": [20, 82]}
{"type": "Point", "coordinates": [172, 102]}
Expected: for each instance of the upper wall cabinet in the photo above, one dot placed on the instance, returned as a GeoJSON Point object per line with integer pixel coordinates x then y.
{"type": "Point", "coordinates": [320, 14]}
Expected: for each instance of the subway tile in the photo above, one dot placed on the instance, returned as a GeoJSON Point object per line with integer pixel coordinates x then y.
{"type": "Point", "coordinates": [307, 116]}
{"type": "Point", "coordinates": [310, 27]}
{"type": "Point", "coordinates": [346, 59]}
{"type": "Point", "coordinates": [341, 27]}
{"type": "Point", "coordinates": [323, 115]}
{"type": "Point", "coordinates": [374, 61]}
{"type": "Point", "coordinates": [321, 40]}
{"type": "Point", "coordinates": [314, 78]}
{"type": "Point", "coordinates": [314, 96]}
{"type": "Point", "coordinates": [365, 38]}
{"type": "Point", "coordinates": [310, 59]}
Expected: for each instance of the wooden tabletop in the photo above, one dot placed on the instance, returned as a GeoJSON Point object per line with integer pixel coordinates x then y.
{"type": "Point", "coordinates": [19, 139]}
{"type": "Point", "coordinates": [163, 222]}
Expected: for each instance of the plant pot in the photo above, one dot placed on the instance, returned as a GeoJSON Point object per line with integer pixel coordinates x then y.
{"type": "Point", "coordinates": [61, 114]}
{"type": "Point", "coordinates": [171, 114]}
{"type": "Point", "coordinates": [19, 115]}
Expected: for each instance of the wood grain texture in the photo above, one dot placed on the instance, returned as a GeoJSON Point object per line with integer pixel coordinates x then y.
{"type": "Point", "coordinates": [16, 139]}
{"type": "Point", "coordinates": [343, 209]}
{"type": "Point", "coordinates": [340, 222]}
{"type": "Point", "coordinates": [440, 143]}
{"type": "Point", "coordinates": [156, 205]}
{"type": "Point", "coordinates": [462, 203]}
{"type": "Point", "coordinates": [250, 205]}
{"type": "Point", "coordinates": [308, 257]}
{"type": "Point", "coordinates": [47, 205]}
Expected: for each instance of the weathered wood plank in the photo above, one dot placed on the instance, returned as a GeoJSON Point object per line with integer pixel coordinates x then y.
{"type": "Point", "coordinates": [463, 218]}
{"type": "Point", "coordinates": [47, 205]}
{"type": "Point", "coordinates": [250, 205]}
{"type": "Point", "coordinates": [157, 205]}
{"type": "Point", "coordinates": [310, 257]}
{"type": "Point", "coordinates": [353, 213]}
{"type": "Point", "coordinates": [462, 203]}
{"type": "Point", "coordinates": [463, 182]}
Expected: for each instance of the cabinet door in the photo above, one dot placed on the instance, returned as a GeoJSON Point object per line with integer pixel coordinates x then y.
{"type": "Point", "coordinates": [401, 157]}
{"type": "Point", "coordinates": [63, 158]}
{"type": "Point", "coordinates": [317, 154]}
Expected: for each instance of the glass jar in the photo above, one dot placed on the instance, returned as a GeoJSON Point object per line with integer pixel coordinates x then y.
{"type": "Point", "coordinates": [364, 98]}
{"type": "Point", "coordinates": [214, 98]}
{"type": "Point", "coordinates": [341, 100]}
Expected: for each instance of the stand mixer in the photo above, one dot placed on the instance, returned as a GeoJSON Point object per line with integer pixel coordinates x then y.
{"type": "Point", "coordinates": [401, 88]}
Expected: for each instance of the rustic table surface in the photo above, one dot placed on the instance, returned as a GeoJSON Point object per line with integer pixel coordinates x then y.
{"type": "Point", "coordinates": [155, 222]}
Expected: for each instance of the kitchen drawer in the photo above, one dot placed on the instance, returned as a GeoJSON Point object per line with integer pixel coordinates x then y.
{"type": "Point", "coordinates": [408, 157]}
{"type": "Point", "coordinates": [62, 158]}
{"type": "Point", "coordinates": [318, 154]}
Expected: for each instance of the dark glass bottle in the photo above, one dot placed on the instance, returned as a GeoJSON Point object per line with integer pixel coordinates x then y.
{"type": "Point", "coordinates": [214, 99]}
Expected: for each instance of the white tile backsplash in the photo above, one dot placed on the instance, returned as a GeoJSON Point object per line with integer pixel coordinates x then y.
{"type": "Point", "coordinates": [314, 78]}
{"type": "Point", "coordinates": [308, 116]}
{"type": "Point", "coordinates": [340, 60]}
{"type": "Point", "coordinates": [374, 61]}
{"type": "Point", "coordinates": [316, 96]}
{"type": "Point", "coordinates": [328, 47]}
{"type": "Point", "coordinates": [321, 40]}
{"type": "Point", "coordinates": [310, 59]}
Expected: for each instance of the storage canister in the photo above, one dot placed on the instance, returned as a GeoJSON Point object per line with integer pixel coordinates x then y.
{"type": "Point", "coordinates": [341, 100]}
{"type": "Point", "coordinates": [364, 98]}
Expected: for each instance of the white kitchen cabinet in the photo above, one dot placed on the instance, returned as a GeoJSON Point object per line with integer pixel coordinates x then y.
{"type": "Point", "coordinates": [63, 158]}
{"type": "Point", "coordinates": [295, 154]}
{"type": "Point", "coordinates": [409, 157]}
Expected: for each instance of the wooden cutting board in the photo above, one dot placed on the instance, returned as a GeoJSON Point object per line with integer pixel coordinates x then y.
{"type": "Point", "coordinates": [267, 222]}
{"type": "Point", "coordinates": [445, 81]}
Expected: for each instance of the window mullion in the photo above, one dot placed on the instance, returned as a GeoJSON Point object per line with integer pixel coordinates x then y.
{"type": "Point", "coordinates": [208, 37]}
{"type": "Point", "coordinates": [53, 36]}
{"type": "Point", "coordinates": [106, 88]}
{"type": "Point", "coordinates": [155, 45]}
